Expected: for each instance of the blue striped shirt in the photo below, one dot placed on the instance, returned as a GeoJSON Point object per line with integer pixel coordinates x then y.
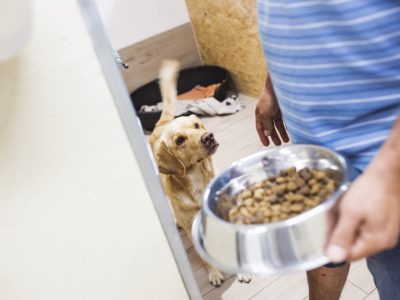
{"type": "Point", "coordinates": [335, 68]}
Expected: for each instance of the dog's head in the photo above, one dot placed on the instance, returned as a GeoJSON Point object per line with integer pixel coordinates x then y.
{"type": "Point", "coordinates": [184, 142]}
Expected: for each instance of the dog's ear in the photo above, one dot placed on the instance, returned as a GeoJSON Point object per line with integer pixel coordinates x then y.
{"type": "Point", "coordinates": [168, 163]}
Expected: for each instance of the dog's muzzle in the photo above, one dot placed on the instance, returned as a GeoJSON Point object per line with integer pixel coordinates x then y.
{"type": "Point", "coordinates": [207, 139]}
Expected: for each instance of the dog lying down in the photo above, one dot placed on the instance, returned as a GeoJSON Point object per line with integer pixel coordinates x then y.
{"type": "Point", "coordinates": [183, 149]}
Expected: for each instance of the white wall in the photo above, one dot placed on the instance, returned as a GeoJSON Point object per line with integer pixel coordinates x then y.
{"type": "Point", "coordinates": [131, 21]}
{"type": "Point", "coordinates": [76, 217]}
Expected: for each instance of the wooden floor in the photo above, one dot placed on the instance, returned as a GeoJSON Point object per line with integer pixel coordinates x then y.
{"type": "Point", "coordinates": [238, 138]}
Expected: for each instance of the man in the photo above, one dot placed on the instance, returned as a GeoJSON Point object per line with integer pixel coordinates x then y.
{"type": "Point", "coordinates": [334, 69]}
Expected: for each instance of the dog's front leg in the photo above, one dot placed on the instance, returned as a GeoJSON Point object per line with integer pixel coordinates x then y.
{"type": "Point", "coordinates": [243, 278]}
{"type": "Point", "coordinates": [215, 276]}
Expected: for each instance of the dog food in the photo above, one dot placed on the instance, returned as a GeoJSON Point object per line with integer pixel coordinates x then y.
{"type": "Point", "coordinates": [278, 198]}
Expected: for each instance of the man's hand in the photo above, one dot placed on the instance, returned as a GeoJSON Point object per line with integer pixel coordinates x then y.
{"type": "Point", "coordinates": [269, 119]}
{"type": "Point", "coordinates": [367, 218]}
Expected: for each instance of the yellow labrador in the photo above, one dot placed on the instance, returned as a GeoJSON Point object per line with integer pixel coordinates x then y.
{"type": "Point", "coordinates": [183, 148]}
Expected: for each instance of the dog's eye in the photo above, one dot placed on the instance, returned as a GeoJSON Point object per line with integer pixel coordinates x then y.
{"type": "Point", "coordinates": [196, 125]}
{"type": "Point", "coordinates": [180, 140]}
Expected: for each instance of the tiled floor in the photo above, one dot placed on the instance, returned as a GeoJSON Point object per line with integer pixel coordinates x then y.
{"type": "Point", "coordinates": [238, 138]}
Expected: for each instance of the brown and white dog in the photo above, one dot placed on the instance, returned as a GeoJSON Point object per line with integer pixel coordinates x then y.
{"type": "Point", "coordinates": [182, 148]}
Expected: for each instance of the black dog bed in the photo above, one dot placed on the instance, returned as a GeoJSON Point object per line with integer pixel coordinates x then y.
{"type": "Point", "coordinates": [149, 94]}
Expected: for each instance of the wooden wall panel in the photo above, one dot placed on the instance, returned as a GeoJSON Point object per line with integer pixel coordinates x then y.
{"type": "Point", "coordinates": [227, 35]}
{"type": "Point", "coordinates": [144, 58]}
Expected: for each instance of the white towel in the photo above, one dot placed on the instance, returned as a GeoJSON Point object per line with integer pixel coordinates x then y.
{"type": "Point", "coordinates": [205, 107]}
{"type": "Point", "coordinates": [212, 107]}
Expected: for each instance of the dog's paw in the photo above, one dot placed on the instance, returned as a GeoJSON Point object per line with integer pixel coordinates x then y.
{"type": "Point", "coordinates": [216, 278]}
{"type": "Point", "coordinates": [243, 278]}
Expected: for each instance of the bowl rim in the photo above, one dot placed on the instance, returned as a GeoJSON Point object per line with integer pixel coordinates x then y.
{"type": "Point", "coordinates": [325, 205]}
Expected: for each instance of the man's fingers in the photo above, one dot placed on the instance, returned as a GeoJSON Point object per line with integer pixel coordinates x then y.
{"type": "Point", "coordinates": [362, 247]}
{"type": "Point", "coordinates": [275, 137]}
{"type": "Point", "coordinates": [370, 241]}
{"type": "Point", "coordinates": [343, 236]}
{"type": "Point", "coordinates": [271, 131]}
{"type": "Point", "coordinates": [261, 133]}
{"type": "Point", "coordinates": [280, 126]}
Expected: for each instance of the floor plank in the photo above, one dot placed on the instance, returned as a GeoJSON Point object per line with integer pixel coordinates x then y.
{"type": "Point", "coordinates": [237, 290]}
{"type": "Point", "coordinates": [291, 286]}
{"type": "Point", "coordinates": [373, 296]}
{"type": "Point", "coordinates": [195, 260]}
{"type": "Point", "coordinates": [351, 292]}
{"type": "Point", "coordinates": [360, 276]}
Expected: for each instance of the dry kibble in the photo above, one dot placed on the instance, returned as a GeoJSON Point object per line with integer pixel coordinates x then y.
{"type": "Point", "coordinates": [284, 216]}
{"type": "Point", "coordinates": [291, 186]}
{"type": "Point", "coordinates": [258, 185]}
{"type": "Point", "coordinates": [297, 198]}
{"type": "Point", "coordinates": [260, 215]}
{"type": "Point", "coordinates": [304, 190]}
{"type": "Point", "coordinates": [278, 198]}
{"type": "Point", "coordinates": [280, 194]}
{"type": "Point", "coordinates": [291, 171]}
{"type": "Point", "coordinates": [305, 174]}
{"type": "Point", "coordinates": [281, 188]}
{"type": "Point", "coordinates": [249, 202]}
{"type": "Point", "coordinates": [288, 196]}
{"type": "Point", "coordinates": [317, 199]}
{"type": "Point", "coordinates": [296, 207]}
{"type": "Point", "coordinates": [275, 219]}
{"type": "Point", "coordinates": [239, 201]}
{"type": "Point", "coordinates": [267, 212]}
{"type": "Point", "coordinates": [268, 191]}
{"type": "Point", "coordinates": [271, 199]}
{"type": "Point", "coordinates": [291, 197]}
{"type": "Point", "coordinates": [286, 207]}
{"type": "Point", "coordinates": [299, 181]}
{"type": "Point", "coordinates": [331, 186]}
{"type": "Point", "coordinates": [315, 189]}
{"type": "Point", "coordinates": [252, 210]}
{"type": "Point", "coordinates": [281, 180]}
{"type": "Point", "coordinates": [258, 194]}
{"type": "Point", "coordinates": [309, 202]}
{"type": "Point", "coordinates": [276, 213]}
{"type": "Point", "coordinates": [233, 212]}
{"type": "Point", "coordinates": [318, 174]}
{"type": "Point", "coordinates": [283, 173]}
{"type": "Point", "coordinates": [266, 182]}
{"type": "Point", "coordinates": [276, 207]}
{"type": "Point", "coordinates": [246, 194]}
{"type": "Point", "coordinates": [244, 212]}
{"type": "Point", "coordinates": [312, 181]}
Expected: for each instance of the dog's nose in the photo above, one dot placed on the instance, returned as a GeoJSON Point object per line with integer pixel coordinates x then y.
{"type": "Point", "coordinates": [207, 138]}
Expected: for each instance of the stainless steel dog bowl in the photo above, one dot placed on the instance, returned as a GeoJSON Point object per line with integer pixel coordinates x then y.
{"type": "Point", "coordinates": [291, 245]}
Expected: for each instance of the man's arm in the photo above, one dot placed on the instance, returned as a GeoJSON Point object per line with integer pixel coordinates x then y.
{"type": "Point", "coordinates": [369, 213]}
